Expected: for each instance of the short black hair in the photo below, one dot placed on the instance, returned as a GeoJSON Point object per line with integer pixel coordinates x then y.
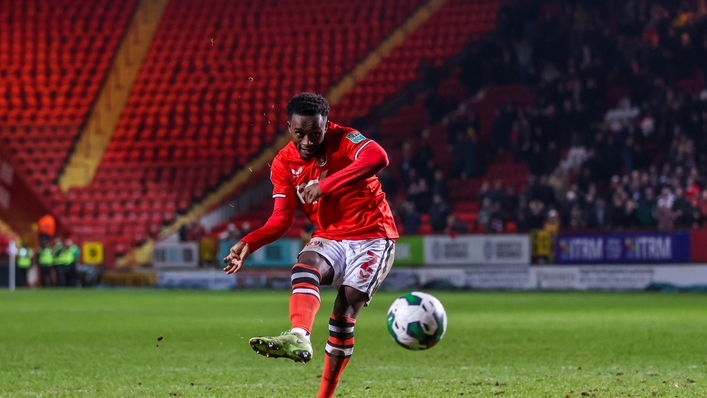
{"type": "Point", "coordinates": [307, 104]}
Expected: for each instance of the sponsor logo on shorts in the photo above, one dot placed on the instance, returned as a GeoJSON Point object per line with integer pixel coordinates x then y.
{"type": "Point", "coordinates": [355, 137]}
{"type": "Point", "coordinates": [315, 243]}
{"type": "Point", "coordinates": [366, 271]}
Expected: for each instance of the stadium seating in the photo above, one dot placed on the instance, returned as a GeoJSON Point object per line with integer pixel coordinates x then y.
{"type": "Point", "coordinates": [54, 56]}
{"type": "Point", "coordinates": [444, 35]}
{"type": "Point", "coordinates": [201, 108]}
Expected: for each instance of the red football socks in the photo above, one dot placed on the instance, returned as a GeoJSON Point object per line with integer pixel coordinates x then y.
{"type": "Point", "coordinates": [304, 301]}
{"type": "Point", "coordinates": [339, 348]}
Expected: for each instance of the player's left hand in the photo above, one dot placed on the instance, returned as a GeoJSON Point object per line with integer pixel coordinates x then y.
{"type": "Point", "coordinates": [312, 193]}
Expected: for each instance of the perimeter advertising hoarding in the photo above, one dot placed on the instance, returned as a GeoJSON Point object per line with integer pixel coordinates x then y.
{"type": "Point", "coordinates": [482, 249]}
{"type": "Point", "coordinates": [572, 277]}
{"type": "Point", "coordinates": [623, 248]}
{"type": "Point", "coordinates": [409, 251]}
{"type": "Point", "coordinates": [281, 253]}
{"type": "Point", "coordinates": [176, 255]}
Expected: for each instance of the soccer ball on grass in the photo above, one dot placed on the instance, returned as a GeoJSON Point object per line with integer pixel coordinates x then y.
{"type": "Point", "coordinates": [417, 321]}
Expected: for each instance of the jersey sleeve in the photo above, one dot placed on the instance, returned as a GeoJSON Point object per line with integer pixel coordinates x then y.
{"type": "Point", "coordinates": [353, 143]}
{"type": "Point", "coordinates": [368, 159]}
{"type": "Point", "coordinates": [283, 212]}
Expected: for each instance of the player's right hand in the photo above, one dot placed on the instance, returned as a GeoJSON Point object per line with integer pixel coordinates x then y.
{"type": "Point", "coordinates": [234, 261]}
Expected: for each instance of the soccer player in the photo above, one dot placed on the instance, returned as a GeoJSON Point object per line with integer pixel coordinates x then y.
{"type": "Point", "coordinates": [330, 172]}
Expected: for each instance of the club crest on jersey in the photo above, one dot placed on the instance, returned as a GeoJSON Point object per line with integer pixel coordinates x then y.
{"type": "Point", "coordinates": [321, 161]}
{"type": "Point", "coordinates": [315, 243]}
{"type": "Point", "coordinates": [355, 137]}
{"type": "Point", "coordinates": [296, 173]}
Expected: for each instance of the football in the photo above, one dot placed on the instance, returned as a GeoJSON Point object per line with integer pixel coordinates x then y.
{"type": "Point", "coordinates": [417, 321]}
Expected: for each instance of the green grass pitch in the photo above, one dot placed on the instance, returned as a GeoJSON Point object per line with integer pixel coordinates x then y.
{"type": "Point", "coordinates": [103, 343]}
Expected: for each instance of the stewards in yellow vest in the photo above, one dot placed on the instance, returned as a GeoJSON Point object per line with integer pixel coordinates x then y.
{"type": "Point", "coordinates": [46, 264]}
{"type": "Point", "coordinates": [24, 262]}
{"type": "Point", "coordinates": [60, 264]}
{"type": "Point", "coordinates": [66, 260]}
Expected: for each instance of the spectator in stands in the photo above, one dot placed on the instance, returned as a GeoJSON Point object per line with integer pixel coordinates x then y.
{"type": "Point", "coordinates": [423, 161]}
{"type": "Point", "coordinates": [388, 183]}
{"type": "Point", "coordinates": [455, 226]}
{"type": "Point", "coordinates": [664, 217]}
{"type": "Point", "coordinates": [439, 185]}
{"type": "Point", "coordinates": [532, 189]}
{"type": "Point", "coordinates": [666, 198]}
{"type": "Point", "coordinates": [631, 219]}
{"type": "Point", "coordinates": [420, 195]}
{"type": "Point", "coordinates": [231, 233]}
{"type": "Point", "coordinates": [682, 210]}
{"type": "Point", "coordinates": [647, 207]}
{"type": "Point", "coordinates": [558, 182]}
{"type": "Point", "coordinates": [406, 164]}
{"type": "Point", "coordinates": [501, 127]}
{"type": "Point", "coordinates": [467, 156]}
{"type": "Point", "coordinates": [552, 224]}
{"type": "Point", "coordinates": [545, 191]}
{"type": "Point", "coordinates": [246, 228]}
{"type": "Point", "coordinates": [411, 218]}
{"type": "Point", "coordinates": [497, 220]}
{"type": "Point", "coordinates": [438, 214]}
{"type": "Point", "coordinates": [520, 138]}
{"type": "Point", "coordinates": [553, 156]}
{"type": "Point", "coordinates": [616, 214]}
{"type": "Point", "coordinates": [702, 208]}
{"type": "Point", "coordinates": [520, 215]}
{"type": "Point", "coordinates": [536, 217]}
{"type": "Point", "coordinates": [484, 191]}
{"type": "Point", "coordinates": [463, 121]}
{"type": "Point", "coordinates": [536, 160]}
{"type": "Point", "coordinates": [596, 215]}
{"type": "Point", "coordinates": [195, 232]}
{"type": "Point", "coordinates": [498, 194]}
{"type": "Point", "coordinates": [484, 216]}
{"type": "Point", "coordinates": [510, 199]}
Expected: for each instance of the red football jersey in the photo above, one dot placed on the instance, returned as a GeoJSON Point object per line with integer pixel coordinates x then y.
{"type": "Point", "coordinates": [353, 209]}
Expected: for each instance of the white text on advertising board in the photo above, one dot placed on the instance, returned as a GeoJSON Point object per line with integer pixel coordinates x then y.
{"type": "Point", "coordinates": [582, 248]}
{"type": "Point", "coordinates": [649, 248]}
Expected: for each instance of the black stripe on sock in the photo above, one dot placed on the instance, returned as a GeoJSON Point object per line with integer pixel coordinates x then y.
{"type": "Point", "coordinates": [338, 335]}
{"type": "Point", "coordinates": [310, 281]}
{"type": "Point", "coordinates": [307, 270]}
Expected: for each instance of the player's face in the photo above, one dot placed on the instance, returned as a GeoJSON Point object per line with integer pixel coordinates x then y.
{"type": "Point", "coordinates": [308, 134]}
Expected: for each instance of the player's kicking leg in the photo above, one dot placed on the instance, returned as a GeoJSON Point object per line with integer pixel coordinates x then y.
{"type": "Point", "coordinates": [340, 345]}
{"type": "Point", "coordinates": [369, 266]}
{"type": "Point", "coordinates": [311, 271]}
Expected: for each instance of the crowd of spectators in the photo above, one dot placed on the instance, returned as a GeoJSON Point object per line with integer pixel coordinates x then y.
{"type": "Point", "coordinates": [617, 134]}
{"type": "Point", "coordinates": [423, 191]}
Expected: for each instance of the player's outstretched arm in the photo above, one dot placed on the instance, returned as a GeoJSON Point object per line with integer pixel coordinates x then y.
{"type": "Point", "coordinates": [234, 261]}
{"type": "Point", "coordinates": [277, 225]}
